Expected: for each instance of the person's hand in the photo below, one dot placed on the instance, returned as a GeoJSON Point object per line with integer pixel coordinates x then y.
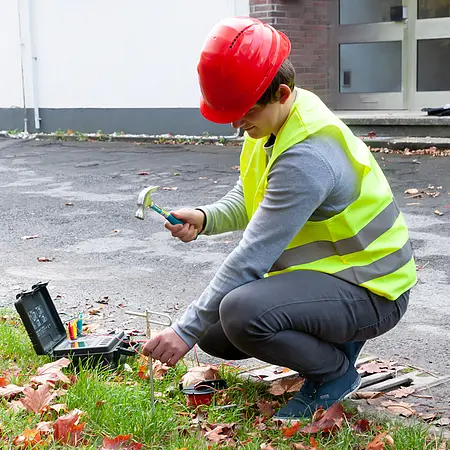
{"type": "Point", "coordinates": [166, 346]}
{"type": "Point", "coordinates": [193, 224]}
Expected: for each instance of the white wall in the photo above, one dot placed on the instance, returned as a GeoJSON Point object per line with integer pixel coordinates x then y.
{"type": "Point", "coordinates": [108, 53]}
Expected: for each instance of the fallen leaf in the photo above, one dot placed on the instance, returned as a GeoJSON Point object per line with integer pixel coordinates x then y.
{"type": "Point", "coordinates": [199, 373]}
{"type": "Point", "coordinates": [36, 399]}
{"type": "Point", "coordinates": [400, 408]}
{"type": "Point", "coordinates": [314, 445]}
{"type": "Point", "coordinates": [44, 259]}
{"type": "Point", "coordinates": [202, 178]}
{"type": "Point", "coordinates": [159, 370]}
{"type": "Point", "coordinates": [412, 191]}
{"type": "Point", "coordinates": [10, 391]}
{"type": "Point", "coordinates": [366, 395]}
{"type": "Point", "coordinates": [380, 442]}
{"type": "Point", "coordinates": [51, 372]}
{"type": "Point", "coordinates": [291, 430]}
{"type": "Point", "coordinates": [116, 231]}
{"type": "Point", "coordinates": [4, 381]}
{"type": "Point", "coordinates": [59, 407]}
{"type": "Point", "coordinates": [68, 204]}
{"type": "Point", "coordinates": [442, 422]}
{"type": "Point", "coordinates": [267, 447]}
{"type": "Point", "coordinates": [169, 188]}
{"type": "Point", "coordinates": [235, 167]}
{"type": "Point", "coordinates": [95, 311]}
{"type": "Point", "coordinates": [372, 134]}
{"type": "Point", "coordinates": [330, 421]}
{"type": "Point", "coordinates": [90, 328]}
{"type": "Point", "coordinates": [99, 403]}
{"type": "Point", "coordinates": [67, 429]}
{"type": "Point", "coordinates": [428, 417]}
{"type": "Point", "coordinates": [437, 212]}
{"type": "Point", "coordinates": [16, 406]}
{"type": "Point", "coordinates": [29, 438]}
{"type": "Point", "coordinates": [402, 392]}
{"type": "Point", "coordinates": [220, 432]}
{"type": "Point", "coordinates": [265, 408]}
{"type": "Point", "coordinates": [285, 385]}
{"type": "Point", "coordinates": [27, 238]}
{"type": "Point", "coordinates": [374, 367]}
{"type": "Point", "coordinates": [361, 426]}
{"type": "Point", "coordinates": [143, 173]}
{"type": "Point", "coordinates": [44, 427]}
{"type": "Point", "coordinates": [123, 442]}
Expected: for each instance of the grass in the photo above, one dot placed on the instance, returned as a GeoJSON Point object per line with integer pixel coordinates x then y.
{"type": "Point", "coordinates": [118, 403]}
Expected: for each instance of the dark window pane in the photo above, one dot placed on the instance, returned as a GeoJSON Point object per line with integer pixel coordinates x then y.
{"type": "Point", "coordinates": [432, 9]}
{"type": "Point", "coordinates": [369, 11]}
{"type": "Point", "coordinates": [370, 67]}
{"type": "Point", "coordinates": [433, 65]}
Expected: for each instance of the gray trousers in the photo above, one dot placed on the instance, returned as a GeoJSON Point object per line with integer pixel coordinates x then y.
{"type": "Point", "coordinates": [297, 320]}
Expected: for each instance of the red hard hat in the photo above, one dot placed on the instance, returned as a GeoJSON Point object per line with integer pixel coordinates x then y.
{"type": "Point", "coordinates": [238, 61]}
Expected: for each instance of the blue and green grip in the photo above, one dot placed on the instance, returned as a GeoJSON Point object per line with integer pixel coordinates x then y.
{"type": "Point", "coordinates": [172, 219]}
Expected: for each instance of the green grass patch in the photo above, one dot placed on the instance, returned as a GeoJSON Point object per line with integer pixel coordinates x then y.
{"type": "Point", "coordinates": [118, 402]}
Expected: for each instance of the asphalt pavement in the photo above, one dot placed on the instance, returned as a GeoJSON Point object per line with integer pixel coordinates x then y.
{"type": "Point", "coordinates": [80, 199]}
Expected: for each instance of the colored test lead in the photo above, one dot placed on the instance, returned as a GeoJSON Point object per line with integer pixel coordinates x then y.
{"type": "Point", "coordinates": [74, 328]}
{"type": "Point", "coordinates": [71, 334]}
{"type": "Point", "coordinates": [80, 323]}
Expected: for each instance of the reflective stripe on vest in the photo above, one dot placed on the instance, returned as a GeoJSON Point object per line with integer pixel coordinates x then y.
{"type": "Point", "coordinates": [366, 244]}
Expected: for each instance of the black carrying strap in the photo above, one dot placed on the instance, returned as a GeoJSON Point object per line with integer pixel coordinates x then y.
{"type": "Point", "coordinates": [440, 112]}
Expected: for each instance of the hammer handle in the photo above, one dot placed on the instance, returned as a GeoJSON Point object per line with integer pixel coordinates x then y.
{"type": "Point", "coordinates": [173, 220]}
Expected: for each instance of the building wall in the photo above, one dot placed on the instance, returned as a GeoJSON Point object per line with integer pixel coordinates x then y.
{"type": "Point", "coordinates": [107, 64]}
{"type": "Point", "coordinates": [306, 23]}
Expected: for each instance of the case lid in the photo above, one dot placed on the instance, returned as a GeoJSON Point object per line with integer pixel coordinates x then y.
{"type": "Point", "coordinates": [40, 318]}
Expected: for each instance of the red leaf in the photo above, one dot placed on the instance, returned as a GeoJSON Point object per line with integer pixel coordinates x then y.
{"type": "Point", "coordinates": [67, 429]}
{"type": "Point", "coordinates": [330, 420]}
{"type": "Point", "coordinates": [290, 431]}
{"type": "Point", "coordinates": [4, 381]}
{"type": "Point", "coordinates": [51, 372]}
{"type": "Point", "coordinates": [120, 442]}
{"type": "Point", "coordinates": [265, 408]}
{"type": "Point", "coordinates": [29, 438]}
{"type": "Point", "coordinates": [361, 426]}
{"type": "Point", "coordinates": [36, 400]}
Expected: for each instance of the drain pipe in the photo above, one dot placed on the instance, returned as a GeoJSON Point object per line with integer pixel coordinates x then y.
{"type": "Point", "coordinates": [33, 60]}
{"type": "Point", "coordinates": [24, 101]}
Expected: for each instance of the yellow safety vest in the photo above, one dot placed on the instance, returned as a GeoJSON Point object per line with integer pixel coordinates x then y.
{"type": "Point", "coordinates": [366, 244]}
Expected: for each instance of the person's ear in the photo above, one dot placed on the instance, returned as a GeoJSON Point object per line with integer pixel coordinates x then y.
{"type": "Point", "coordinates": [284, 92]}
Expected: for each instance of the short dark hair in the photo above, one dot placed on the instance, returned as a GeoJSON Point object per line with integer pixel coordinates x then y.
{"type": "Point", "coordinates": [285, 75]}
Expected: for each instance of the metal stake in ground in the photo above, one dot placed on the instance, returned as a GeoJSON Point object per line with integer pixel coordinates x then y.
{"type": "Point", "coordinates": [148, 334]}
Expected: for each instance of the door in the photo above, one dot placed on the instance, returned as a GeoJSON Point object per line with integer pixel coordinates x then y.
{"type": "Point", "coordinates": [371, 46]}
{"type": "Point", "coordinates": [431, 55]}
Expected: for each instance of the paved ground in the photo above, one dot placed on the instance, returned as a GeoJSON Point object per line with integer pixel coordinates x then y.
{"type": "Point", "coordinates": [142, 266]}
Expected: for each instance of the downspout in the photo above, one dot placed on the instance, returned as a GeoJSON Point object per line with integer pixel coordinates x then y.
{"type": "Point", "coordinates": [33, 60]}
{"type": "Point", "coordinates": [25, 119]}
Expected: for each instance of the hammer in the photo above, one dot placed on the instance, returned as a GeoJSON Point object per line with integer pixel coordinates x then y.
{"type": "Point", "coordinates": [145, 201]}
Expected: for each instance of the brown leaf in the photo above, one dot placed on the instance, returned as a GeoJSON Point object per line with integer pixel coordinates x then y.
{"type": "Point", "coordinates": [200, 373]}
{"type": "Point", "coordinates": [265, 408]}
{"type": "Point", "coordinates": [366, 395]}
{"type": "Point", "coordinates": [402, 392]}
{"type": "Point", "coordinates": [169, 188]}
{"type": "Point", "coordinates": [235, 167]}
{"type": "Point", "coordinates": [68, 204]}
{"type": "Point", "coordinates": [159, 370]}
{"type": "Point", "coordinates": [33, 236]}
{"type": "Point", "coordinates": [58, 407]}
{"type": "Point", "coordinates": [67, 429]}
{"type": "Point", "coordinates": [90, 328]}
{"type": "Point", "coordinates": [10, 391]}
{"type": "Point", "coordinates": [400, 408]}
{"type": "Point", "coordinates": [380, 442]}
{"type": "Point", "coordinates": [374, 367]}
{"type": "Point", "coordinates": [314, 445]}
{"type": "Point", "coordinates": [330, 421]}
{"type": "Point", "coordinates": [16, 406]}
{"type": "Point", "coordinates": [95, 311]}
{"type": "Point", "coordinates": [36, 399]}
{"type": "Point", "coordinates": [116, 231]}
{"type": "Point", "coordinates": [372, 134]}
{"type": "Point", "coordinates": [123, 442]}
{"type": "Point", "coordinates": [220, 432]}
{"type": "Point", "coordinates": [99, 403]}
{"type": "Point", "coordinates": [44, 427]}
{"type": "Point", "coordinates": [51, 372]}
{"type": "Point", "coordinates": [412, 191]}
{"type": "Point", "coordinates": [29, 438]}
{"type": "Point", "coordinates": [438, 213]}
{"type": "Point", "coordinates": [361, 426]}
{"type": "Point", "coordinates": [44, 259]}
{"type": "Point", "coordinates": [143, 173]}
{"type": "Point", "coordinates": [291, 430]}
{"type": "Point", "coordinates": [285, 385]}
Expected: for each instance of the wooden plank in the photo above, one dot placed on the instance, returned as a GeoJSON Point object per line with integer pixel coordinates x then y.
{"type": "Point", "coordinates": [389, 385]}
{"type": "Point", "coordinates": [376, 378]}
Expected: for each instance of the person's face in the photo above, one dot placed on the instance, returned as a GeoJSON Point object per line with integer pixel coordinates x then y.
{"type": "Point", "coordinates": [263, 120]}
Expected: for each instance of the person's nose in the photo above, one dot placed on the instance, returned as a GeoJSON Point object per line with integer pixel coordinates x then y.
{"type": "Point", "coordinates": [238, 123]}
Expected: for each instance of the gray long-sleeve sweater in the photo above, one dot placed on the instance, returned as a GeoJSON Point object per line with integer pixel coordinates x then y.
{"type": "Point", "coordinates": [312, 180]}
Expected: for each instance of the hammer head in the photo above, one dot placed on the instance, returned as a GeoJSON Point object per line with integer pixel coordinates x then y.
{"type": "Point", "coordinates": [144, 201]}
